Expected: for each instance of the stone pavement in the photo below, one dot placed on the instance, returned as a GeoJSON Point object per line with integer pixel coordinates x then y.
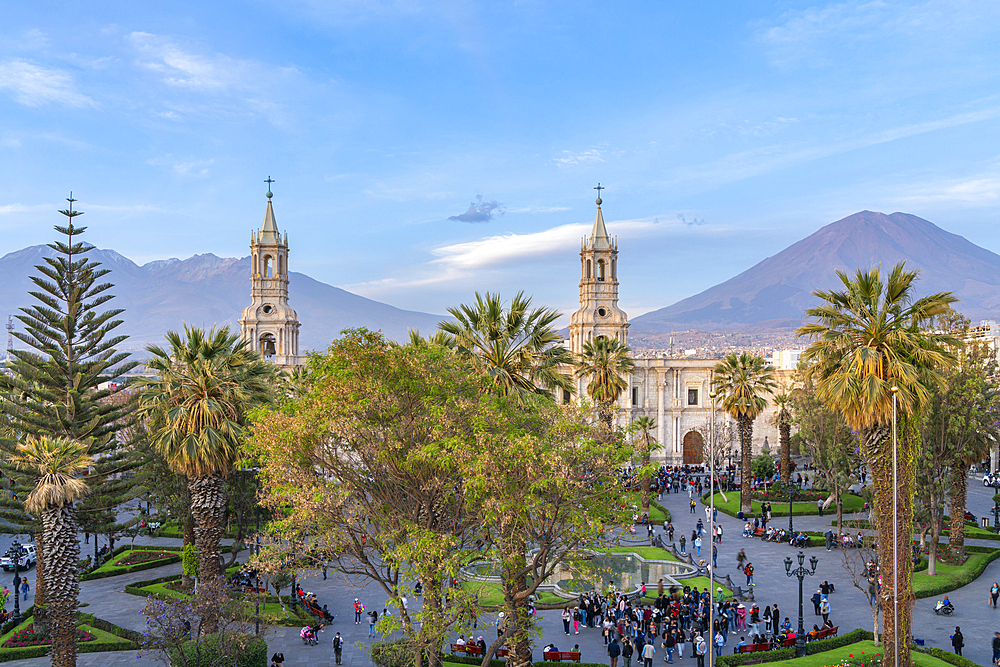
{"type": "Point", "coordinates": [106, 599]}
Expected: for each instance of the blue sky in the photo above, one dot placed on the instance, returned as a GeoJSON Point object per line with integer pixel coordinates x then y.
{"type": "Point", "coordinates": [424, 150]}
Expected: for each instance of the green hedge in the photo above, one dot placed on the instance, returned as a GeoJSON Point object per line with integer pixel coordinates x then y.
{"type": "Point", "coordinates": [817, 646]}
{"type": "Point", "coordinates": [10, 625]}
{"type": "Point", "coordinates": [947, 656]}
{"type": "Point", "coordinates": [136, 587]}
{"type": "Point", "coordinates": [949, 582]}
{"type": "Point", "coordinates": [139, 567]}
{"type": "Point", "coordinates": [128, 640]}
{"type": "Point", "coordinates": [254, 655]}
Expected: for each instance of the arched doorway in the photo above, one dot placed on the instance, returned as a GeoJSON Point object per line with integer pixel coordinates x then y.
{"type": "Point", "coordinates": [693, 444]}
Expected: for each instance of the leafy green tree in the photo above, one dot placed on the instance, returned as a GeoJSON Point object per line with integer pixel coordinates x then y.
{"type": "Point", "coordinates": [57, 464]}
{"type": "Point", "coordinates": [606, 363]}
{"type": "Point", "coordinates": [762, 466]}
{"type": "Point", "coordinates": [743, 380]}
{"type": "Point", "coordinates": [197, 409]}
{"type": "Point", "coordinates": [867, 339]}
{"type": "Point", "coordinates": [516, 345]}
{"type": "Point", "coordinates": [55, 387]}
{"type": "Point", "coordinates": [371, 463]}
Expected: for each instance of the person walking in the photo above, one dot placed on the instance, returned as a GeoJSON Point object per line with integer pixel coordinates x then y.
{"type": "Point", "coordinates": [819, 506]}
{"type": "Point", "coordinates": [700, 649]}
{"type": "Point", "coordinates": [627, 651]}
{"type": "Point", "coordinates": [648, 651]}
{"type": "Point", "coordinates": [566, 618]}
{"type": "Point", "coordinates": [358, 609]}
{"type": "Point", "coordinates": [697, 545]}
{"type": "Point", "coordinates": [669, 642]}
{"type": "Point", "coordinates": [577, 618]}
{"type": "Point", "coordinates": [748, 570]}
{"type": "Point", "coordinates": [994, 593]}
{"type": "Point", "coordinates": [720, 641]}
{"type": "Point", "coordinates": [996, 647]}
{"type": "Point", "coordinates": [741, 558]}
{"type": "Point", "coordinates": [372, 620]}
{"type": "Point", "coordinates": [614, 650]}
{"type": "Point", "coordinates": [681, 640]}
{"type": "Point", "coordinates": [25, 587]}
{"type": "Point", "coordinates": [816, 599]}
{"type": "Point", "coordinates": [958, 640]}
{"type": "Point", "coordinates": [715, 557]}
{"type": "Point", "coordinates": [338, 648]}
{"type": "Point", "coordinates": [824, 609]}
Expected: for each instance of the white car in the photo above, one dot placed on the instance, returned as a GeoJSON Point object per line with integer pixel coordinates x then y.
{"type": "Point", "coordinates": [28, 558]}
{"type": "Point", "coordinates": [991, 479]}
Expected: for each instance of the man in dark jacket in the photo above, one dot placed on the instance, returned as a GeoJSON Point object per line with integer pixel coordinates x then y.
{"type": "Point", "coordinates": [614, 650]}
{"type": "Point", "coordinates": [816, 599]}
{"type": "Point", "coordinates": [996, 647]}
{"type": "Point", "coordinates": [958, 640]}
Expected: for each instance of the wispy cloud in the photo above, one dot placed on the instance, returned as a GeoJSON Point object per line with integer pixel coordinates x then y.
{"type": "Point", "coordinates": [191, 168]}
{"type": "Point", "coordinates": [8, 209]}
{"type": "Point", "coordinates": [539, 209]}
{"type": "Point", "coordinates": [571, 159]}
{"type": "Point", "coordinates": [480, 211]}
{"type": "Point", "coordinates": [34, 85]}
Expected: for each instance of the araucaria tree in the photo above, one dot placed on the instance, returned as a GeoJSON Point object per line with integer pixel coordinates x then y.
{"type": "Point", "coordinates": [53, 389]}
{"type": "Point", "coordinates": [646, 444]}
{"type": "Point", "coordinates": [515, 345]}
{"type": "Point", "coordinates": [56, 464]}
{"type": "Point", "coordinates": [196, 410]}
{"type": "Point", "coordinates": [606, 362]}
{"type": "Point", "coordinates": [868, 338]}
{"type": "Point", "coordinates": [743, 380]}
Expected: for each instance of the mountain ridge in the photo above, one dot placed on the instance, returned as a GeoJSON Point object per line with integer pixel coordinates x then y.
{"type": "Point", "coordinates": [208, 290]}
{"type": "Point", "coordinates": [773, 294]}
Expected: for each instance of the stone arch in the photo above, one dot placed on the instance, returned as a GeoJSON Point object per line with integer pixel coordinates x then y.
{"type": "Point", "coordinates": [268, 266]}
{"type": "Point", "coordinates": [268, 345]}
{"type": "Point", "coordinates": [600, 269]}
{"type": "Point", "coordinates": [281, 265]}
{"type": "Point", "coordinates": [588, 269]}
{"type": "Point", "coordinates": [693, 444]}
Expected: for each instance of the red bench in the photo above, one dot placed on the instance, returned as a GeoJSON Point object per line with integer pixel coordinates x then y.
{"type": "Point", "coordinates": [503, 652]}
{"type": "Point", "coordinates": [823, 634]}
{"type": "Point", "coordinates": [752, 648]}
{"type": "Point", "coordinates": [467, 649]}
{"type": "Point", "coordinates": [788, 643]}
{"type": "Point", "coordinates": [559, 656]}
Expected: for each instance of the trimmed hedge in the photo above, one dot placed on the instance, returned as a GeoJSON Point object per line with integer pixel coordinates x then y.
{"type": "Point", "coordinates": [947, 584]}
{"type": "Point", "coordinates": [139, 567]}
{"type": "Point", "coordinates": [947, 656]}
{"type": "Point", "coordinates": [817, 646]}
{"type": "Point", "coordinates": [129, 640]}
{"type": "Point", "coordinates": [135, 588]}
{"type": "Point", "coordinates": [254, 655]}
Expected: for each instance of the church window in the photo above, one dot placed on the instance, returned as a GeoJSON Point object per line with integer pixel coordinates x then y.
{"type": "Point", "coordinates": [602, 312]}
{"type": "Point", "coordinates": [600, 269]}
{"type": "Point", "coordinates": [566, 396]}
{"type": "Point", "coordinates": [692, 397]}
{"type": "Point", "coordinates": [588, 269]}
{"type": "Point", "coordinates": [267, 266]}
{"type": "Point", "coordinates": [635, 396]}
{"type": "Point", "coordinates": [255, 270]}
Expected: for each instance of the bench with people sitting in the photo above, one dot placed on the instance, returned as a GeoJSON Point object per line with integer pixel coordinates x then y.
{"type": "Point", "coordinates": [823, 634]}
{"type": "Point", "coordinates": [468, 649]}
{"type": "Point", "coordinates": [309, 601]}
{"type": "Point", "coordinates": [559, 656]}
{"type": "Point", "coordinates": [752, 648]}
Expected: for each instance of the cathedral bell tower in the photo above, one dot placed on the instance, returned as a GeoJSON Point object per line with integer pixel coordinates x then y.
{"type": "Point", "coordinates": [599, 314]}
{"type": "Point", "coordinates": [269, 323]}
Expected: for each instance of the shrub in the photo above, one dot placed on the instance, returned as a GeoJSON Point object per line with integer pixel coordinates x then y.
{"type": "Point", "coordinates": [944, 583]}
{"type": "Point", "coordinates": [190, 559]}
{"type": "Point", "coordinates": [947, 656]}
{"type": "Point", "coordinates": [211, 647]}
{"type": "Point", "coordinates": [395, 653]}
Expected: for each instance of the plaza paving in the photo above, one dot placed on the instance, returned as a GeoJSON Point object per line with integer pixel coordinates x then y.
{"type": "Point", "coordinates": [107, 599]}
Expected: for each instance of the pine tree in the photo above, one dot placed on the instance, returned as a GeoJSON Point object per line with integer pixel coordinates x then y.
{"type": "Point", "coordinates": [53, 389]}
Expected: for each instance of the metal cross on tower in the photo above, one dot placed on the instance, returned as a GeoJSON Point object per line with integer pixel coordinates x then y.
{"type": "Point", "coordinates": [269, 181]}
{"type": "Point", "coordinates": [599, 188]}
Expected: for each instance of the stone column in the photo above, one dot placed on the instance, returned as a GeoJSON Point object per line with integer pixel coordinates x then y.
{"type": "Point", "coordinates": [660, 430]}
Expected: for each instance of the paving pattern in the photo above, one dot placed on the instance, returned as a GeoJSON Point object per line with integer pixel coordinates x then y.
{"type": "Point", "coordinates": [106, 599]}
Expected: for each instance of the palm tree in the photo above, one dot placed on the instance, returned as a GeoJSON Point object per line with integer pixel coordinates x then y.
{"type": "Point", "coordinates": [867, 340]}
{"type": "Point", "coordinates": [784, 420]}
{"type": "Point", "coordinates": [516, 345]}
{"type": "Point", "coordinates": [606, 362]}
{"type": "Point", "coordinates": [645, 427]}
{"type": "Point", "coordinates": [58, 462]}
{"type": "Point", "coordinates": [743, 380]}
{"type": "Point", "coordinates": [196, 408]}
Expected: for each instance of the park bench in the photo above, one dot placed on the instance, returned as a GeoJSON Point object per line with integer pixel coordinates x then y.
{"type": "Point", "coordinates": [823, 634]}
{"type": "Point", "coordinates": [503, 652]}
{"type": "Point", "coordinates": [752, 648]}
{"type": "Point", "coordinates": [468, 649]}
{"type": "Point", "coordinates": [559, 656]}
{"type": "Point", "coordinates": [788, 643]}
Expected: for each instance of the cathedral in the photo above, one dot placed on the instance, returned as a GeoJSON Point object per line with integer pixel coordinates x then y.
{"type": "Point", "coordinates": [674, 392]}
{"type": "Point", "coordinates": [269, 324]}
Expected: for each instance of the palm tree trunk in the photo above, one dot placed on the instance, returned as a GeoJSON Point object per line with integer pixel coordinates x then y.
{"type": "Point", "coordinates": [935, 534]}
{"type": "Point", "coordinates": [208, 504]}
{"type": "Point", "coordinates": [785, 438]}
{"type": "Point", "coordinates": [62, 555]}
{"type": "Point", "coordinates": [645, 477]}
{"type": "Point", "coordinates": [895, 568]}
{"type": "Point", "coordinates": [745, 425]}
{"type": "Point", "coordinates": [956, 508]}
{"type": "Point", "coordinates": [40, 614]}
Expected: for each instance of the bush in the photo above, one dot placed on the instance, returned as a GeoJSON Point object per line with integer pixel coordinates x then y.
{"type": "Point", "coordinates": [125, 569]}
{"type": "Point", "coordinates": [831, 643]}
{"type": "Point", "coordinates": [817, 646]}
{"type": "Point", "coordinates": [944, 583]}
{"type": "Point", "coordinates": [136, 587]}
{"type": "Point", "coordinates": [762, 466]}
{"type": "Point", "coordinates": [254, 654]}
{"type": "Point", "coordinates": [947, 656]}
{"type": "Point", "coordinates": [395, 653]}
{"type": "Point", "coordinates": [190, 559]}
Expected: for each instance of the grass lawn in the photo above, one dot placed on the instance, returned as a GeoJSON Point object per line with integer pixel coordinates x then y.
{"type": "Point", "coordinates": [649, 553]}
{"type": "Point", "coordinates": [110, 566]}
{"type": "Point", "coordinates": [491, 594]}
{"type": "Point", "coordinates": [270, 608]}
{"type": "Point", "coordinates": [102, 636]}
{"type": "Point", "coordinates": [732, 506]}
{"type": "Point", "coordinates": [700, 583]}
{"type": "Point", "coordinates": [950, 577]}
{"type": "Point", "coordinates": [656, 515]}
{"type": "Point", "coordinates": [833, 656]}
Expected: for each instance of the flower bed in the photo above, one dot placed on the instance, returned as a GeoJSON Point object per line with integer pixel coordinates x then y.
{"type": "Point", "coordinates": [140, 557]}
{"type": "Point", "coordinates": [774, 495]}
{"type": "Point", "coordinates": [26, 637]}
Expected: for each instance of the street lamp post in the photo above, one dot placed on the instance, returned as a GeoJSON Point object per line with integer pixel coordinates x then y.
{"type": "Point", "coordinates": [800, 572]}
{"type": "Point", "coordinates": [15, 549]}
{"type": "Point", "coordinates": [790, 488]}
{"type": "Point", "coordinates": [711, 569]}
{"type": "Point", "coordinates": [895, 537]}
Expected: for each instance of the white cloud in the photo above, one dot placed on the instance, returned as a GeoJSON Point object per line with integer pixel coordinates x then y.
{"type": "Point", "coordinates": [539, 209]}
{"type": "Point", "coordinates": [33, 85]}
{"type": "Point", "coordinates": [193, 168]}
{"type": "Point", "coordinates": [8, 209]}
{"type": "Point", "coordinates": [978, 190]}
{"type": "Point", "coordinates": [571, 159]}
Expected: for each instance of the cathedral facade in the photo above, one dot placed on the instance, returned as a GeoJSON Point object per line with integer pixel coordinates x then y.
{"type": "Point", "coordinates": [674, 392]}
{"type": "Point", "coordinates": [269, 324]}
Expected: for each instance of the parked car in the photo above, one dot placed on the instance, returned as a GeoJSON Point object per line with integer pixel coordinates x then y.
{"type": "Point", "coordinates": [991, 479]}
{"type": "Point", "coordinates": [28, 557]}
